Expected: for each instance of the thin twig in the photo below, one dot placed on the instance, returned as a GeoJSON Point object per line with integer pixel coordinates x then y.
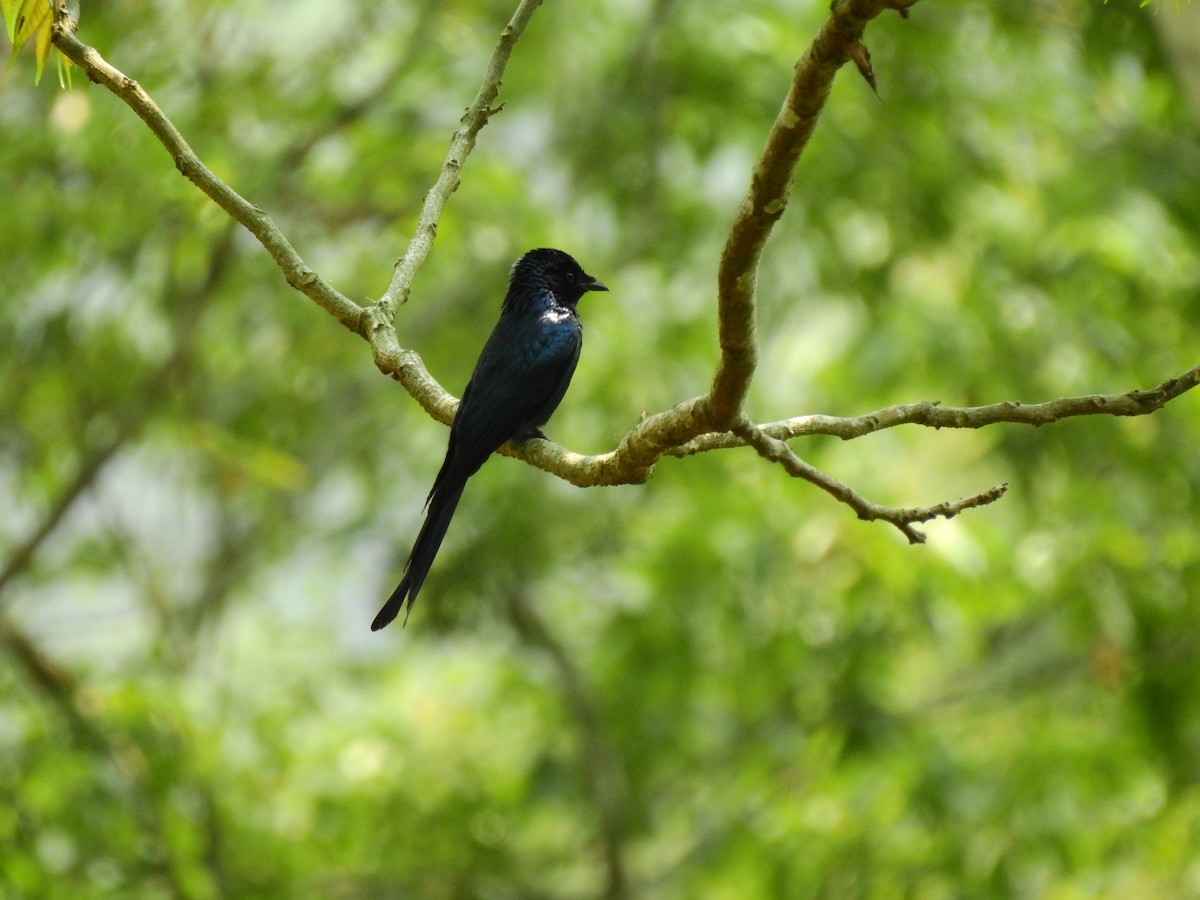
{"type": "Point", "coordinates": [932, 414]}
{"type": "Point", "coordinates": [461, 145]}
{"type": "Point", "coordinates": [374, 323]}
{"type": "Point", "coordinates": [777, 451]}
{"type": "Point", "coordinates": [406, 365]}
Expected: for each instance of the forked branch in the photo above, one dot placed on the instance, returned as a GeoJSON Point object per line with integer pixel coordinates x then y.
{"type": "Point", "coordinates": [770, 188]}
{"type": "Point", "coordinates": [712, 421]}
{"type": "Point", "coordinates": [904, 519]}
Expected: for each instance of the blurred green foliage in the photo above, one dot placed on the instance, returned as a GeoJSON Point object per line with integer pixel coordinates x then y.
{"type": "Point", "coordinates": [719, 684]}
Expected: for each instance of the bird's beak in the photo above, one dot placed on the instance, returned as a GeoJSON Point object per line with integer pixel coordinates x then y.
{"type": "Point", "coordinates": [595, 285]}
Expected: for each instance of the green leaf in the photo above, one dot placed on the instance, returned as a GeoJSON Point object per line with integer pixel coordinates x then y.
{"type": "Point", "coordinates": [10, 9]}
{"type": "Point", "coordinates": [64, 72]}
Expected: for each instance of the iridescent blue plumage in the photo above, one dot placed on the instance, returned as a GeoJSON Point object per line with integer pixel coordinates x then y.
{"type": "Point", "coordinates": [519, 380]}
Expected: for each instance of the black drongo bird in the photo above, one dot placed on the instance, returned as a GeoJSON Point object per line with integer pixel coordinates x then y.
{"type": "Point", "coordinates": [520, 378]}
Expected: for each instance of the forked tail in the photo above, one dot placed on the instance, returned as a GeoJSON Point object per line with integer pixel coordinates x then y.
{"type": "Point", "coordinates": [441, 511]}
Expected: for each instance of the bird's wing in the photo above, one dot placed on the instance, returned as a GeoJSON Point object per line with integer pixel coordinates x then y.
{"type": "Point", "coordinates": [496, 410]}
{"type": "Point", "coordinates": [512, 389]}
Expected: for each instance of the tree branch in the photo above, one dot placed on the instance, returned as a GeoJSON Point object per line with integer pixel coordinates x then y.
{"type": "Point", "coordinates": [599, 763]}
{"type": "Point", "coordinates": [770, 187]}
{"type": "Point", "coordinates": [711, 421]}
{"type": "Point", "coordinates": [130, 416]}
{"type": "Point", "coordinates": [374, 323]}
{"type": "Point", "coordinates": [716, 411]}
{"type": "Point", "coordinates": [19, 560]}
{"type": "Point", "coordinates": [88, 728]}
{"type": "Point", "coordinates": [461, 145]}
{"type": "Point", "coordinates": [298, 275]}
{"type": "Point", "coordinates": [777, 451]}
{"type": "Point", "coordinates": [933, 415]}
{"type": "Point", "coordinates": [391, 359]}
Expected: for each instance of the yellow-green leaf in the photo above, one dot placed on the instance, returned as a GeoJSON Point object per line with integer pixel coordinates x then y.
{"type": "Point", "coordinates": [42, 47]}
{"type": "Point", "coordinates": [22, 18]}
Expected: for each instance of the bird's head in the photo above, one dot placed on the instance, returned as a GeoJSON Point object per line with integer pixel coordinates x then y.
{"type": "Point", "coordinates": [556, 270]}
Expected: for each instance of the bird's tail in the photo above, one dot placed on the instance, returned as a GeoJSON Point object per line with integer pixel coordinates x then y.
{"type": "Point", "coordinates": [441, 510]}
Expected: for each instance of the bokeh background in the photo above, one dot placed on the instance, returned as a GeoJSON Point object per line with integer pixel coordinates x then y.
{"type": "Point", "coordinates": [718, 684]}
